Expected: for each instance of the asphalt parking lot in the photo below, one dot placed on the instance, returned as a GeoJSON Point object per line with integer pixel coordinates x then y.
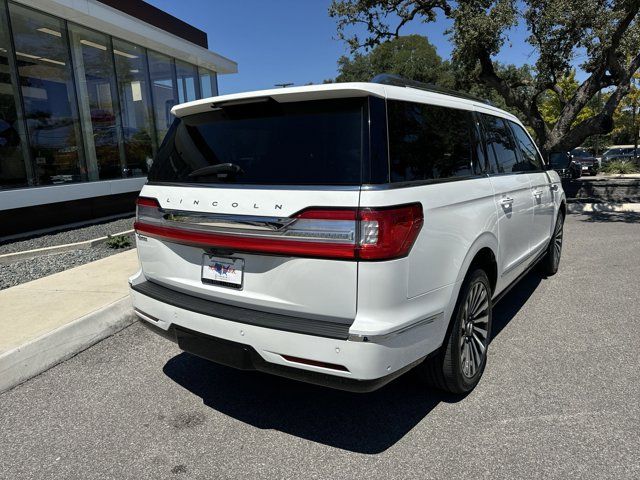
{"type": "Point", "coordinates": [560, 398]}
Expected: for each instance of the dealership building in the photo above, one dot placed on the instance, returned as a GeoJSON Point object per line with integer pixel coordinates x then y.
{"type": "Point", "coordinates": [86, 89]}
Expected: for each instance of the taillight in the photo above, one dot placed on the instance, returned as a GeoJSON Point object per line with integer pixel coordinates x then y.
{"type": "Point", "coordinates": [147, 210]}
{"type": "Point", "coordinates": [337, 233]}
{"type": "Point", "coordinates": [387, 233]}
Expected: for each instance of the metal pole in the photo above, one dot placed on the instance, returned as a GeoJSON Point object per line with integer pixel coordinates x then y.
{"type": "Point", "coordinates": [635, 131]}
{"type": "Point", "coordinates": [597, 152]}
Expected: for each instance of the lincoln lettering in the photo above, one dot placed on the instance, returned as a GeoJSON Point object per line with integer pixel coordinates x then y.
{"type": "Point", "coordinates": [222, 205]}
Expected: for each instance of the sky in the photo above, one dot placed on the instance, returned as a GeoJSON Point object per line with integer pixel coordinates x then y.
{"type": "Point", "coordinates": [282, 41]}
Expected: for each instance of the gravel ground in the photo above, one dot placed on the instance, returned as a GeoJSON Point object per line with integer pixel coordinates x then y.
{"type": "Point", "coordinates": [68, 236]}
{"type": "Point", "coordinates": [22, 271]}
{"type": "Point", "coordinates": [559, 399]}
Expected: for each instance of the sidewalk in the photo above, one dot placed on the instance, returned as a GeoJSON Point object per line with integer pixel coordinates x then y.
{"type": "Point", "coordinates": [48, 320]}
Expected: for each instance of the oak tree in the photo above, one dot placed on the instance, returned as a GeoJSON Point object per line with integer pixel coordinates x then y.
{"type": "Point", "coordinates": [602, 36]}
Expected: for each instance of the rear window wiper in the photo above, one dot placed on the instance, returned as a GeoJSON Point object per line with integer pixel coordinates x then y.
{"type": "Point", "coordinates": [219, 169]}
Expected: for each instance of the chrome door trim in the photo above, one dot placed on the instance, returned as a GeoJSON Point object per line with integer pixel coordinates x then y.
{"type": "Point", "coordinates": [523, 260]}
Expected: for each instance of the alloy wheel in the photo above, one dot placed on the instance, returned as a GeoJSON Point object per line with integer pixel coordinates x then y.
{"type": "Point", "coordinates": [557, 243]}
{"type": "Point", "coordinates": [474, 329]}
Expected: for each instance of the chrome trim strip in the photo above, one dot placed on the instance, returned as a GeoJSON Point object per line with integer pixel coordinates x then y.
{"type": "Point", "coordinates": [305, 230]}
{"type": "Point", "coordinates": [347, 188]}
{"type": "Point", "coordinates": [524, 259]}
{"type": "Point", "coordinates": [247, 222]}
{"type": "Point", "coordinates": [145, 316]}
{"type": "Point", "coordinates": [379, 338]}
{"type": "Point", "coordinates": [420, 183]}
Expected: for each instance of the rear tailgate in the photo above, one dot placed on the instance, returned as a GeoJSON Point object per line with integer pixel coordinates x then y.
{"type": "Point", "coordinates": [313, 287]}
{"type": "Point", "coordinates": [232, 178]}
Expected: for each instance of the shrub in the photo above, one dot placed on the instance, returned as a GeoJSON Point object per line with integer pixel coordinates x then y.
{"type": "Point", "coordinates": [118, 241]}
{"type": "Point", "coordinates": [620, 166]}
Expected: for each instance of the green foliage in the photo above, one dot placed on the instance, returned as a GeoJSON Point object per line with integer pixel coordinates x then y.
{"type": "Point", "coordinates": [118, 241]}
{"type": "Point", "coordinates": [602, 37]}
{"type": "Point", "coordinates": [411, 57]}
{"type": "Point", "coordinates": [620, 166]}
{"type": "Point", "coordinates": [550, 102]}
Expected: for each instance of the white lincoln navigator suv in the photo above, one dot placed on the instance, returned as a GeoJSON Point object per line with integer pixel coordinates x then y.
{"type": "Point", "coordinates": [342, 234]}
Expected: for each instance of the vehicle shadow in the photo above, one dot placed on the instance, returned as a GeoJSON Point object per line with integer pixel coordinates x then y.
{"type": "Point", "coordinates": [363, 423]}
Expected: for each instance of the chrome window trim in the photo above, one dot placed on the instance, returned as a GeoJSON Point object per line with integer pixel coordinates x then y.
{"type": "Point", "coordinates": [420, 183]}
{"type": "Point", "coordinates": [346, 188]}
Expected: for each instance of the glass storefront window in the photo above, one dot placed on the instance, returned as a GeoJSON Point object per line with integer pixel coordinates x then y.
{"type": "Point", "coordinates": [135, 106]}
{"type": "Point", "coordinates": [13, 172]}
{"type": "Point", "coordinates": [96, 84]}
{"type": "Point", "coordinates": [188, 85]}
{"type": "Point", "coordinates": [208, 83]}
{"type": "Point", "coordinates": [164, 92]}
{"type": "Point", "coordinates": [50, 108]}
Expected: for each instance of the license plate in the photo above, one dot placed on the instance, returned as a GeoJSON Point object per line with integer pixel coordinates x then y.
{"type": "Point", "coordinates": [585, 168]}
{"type": "Point", "coordinates": [224, 271]}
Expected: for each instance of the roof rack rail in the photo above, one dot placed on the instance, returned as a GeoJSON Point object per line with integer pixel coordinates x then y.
{"type": "Point", "coordinates": [398, 81]}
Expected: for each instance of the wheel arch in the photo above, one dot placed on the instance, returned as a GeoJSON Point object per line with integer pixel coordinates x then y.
{"type": "Point", "coordinates": [483, 252]}
{"type": "Point", "coordinates": [563, 207]}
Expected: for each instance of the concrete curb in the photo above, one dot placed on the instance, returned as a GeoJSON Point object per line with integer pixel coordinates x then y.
{"type": "Point", "coordinates": [608, 207]}
{"type": "Point", "coordinates": [15, 256]}
{"type": "Point", "coordinates": [38, 355]}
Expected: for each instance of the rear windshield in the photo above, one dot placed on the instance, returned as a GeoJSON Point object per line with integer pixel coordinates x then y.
{"type": "Point", "coordinates": [266, 143]}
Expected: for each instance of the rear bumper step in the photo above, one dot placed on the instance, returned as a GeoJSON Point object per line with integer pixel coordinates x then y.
{"type": "Point", "coordinates": [307, 326]}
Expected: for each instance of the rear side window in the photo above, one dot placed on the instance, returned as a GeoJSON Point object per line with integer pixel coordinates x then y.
{"type": "Point", "coordinates": [266, 143]}
{"type": "Point", "coordinates": [428, 142]}
{"type": "Point", "coordinates": [530, 154]}
{"type": "Point", "coordinates": [501, 146]}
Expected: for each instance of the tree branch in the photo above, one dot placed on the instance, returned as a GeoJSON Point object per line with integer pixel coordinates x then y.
{"type": "Point", "coordinates": [511, 97]}
{"type": "Point", "coordinates": [608, 60]}
{"type": "Point", "coordinates": [602, 123]}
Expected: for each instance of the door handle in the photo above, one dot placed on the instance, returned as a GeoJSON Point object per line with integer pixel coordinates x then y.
{"type": "Point", "coordinates": [506, 202]}
{"type": "Point", "coordinates": [554, 187]}
{"type": "Point", "coordinates": [537, 193]}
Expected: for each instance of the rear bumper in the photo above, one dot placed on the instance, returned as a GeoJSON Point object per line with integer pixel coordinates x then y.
{"type": "Point", "coordinates": [245, 357]}
{"type": "Point", "coordinates": [358, 366]}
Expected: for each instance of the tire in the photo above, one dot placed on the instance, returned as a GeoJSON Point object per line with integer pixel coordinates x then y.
{"type": "Point", "coordinates": [458, 365]}
{"type": "Point", "coordinates": [551, 260]}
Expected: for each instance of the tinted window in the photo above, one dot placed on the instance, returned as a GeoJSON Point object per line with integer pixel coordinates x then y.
{"type": "Point", "coordinates": [188, 82]}
{"type": "Point", "coordinates": [48, 93]}
{"type": "Point", "coordinates": [580, 153]}
{"type": "Point", "coordinates": [528, 150]}
{"type": "Point", "coordinates": [13, 171]}
{"type": "Point", "coordinates": [428, 142]}
{"type": "Point", "coordinates": [208, 83]}
{"type": "Point", "coordinates": [501, 145]}
{"type": "Point", "coordinates": [302, 143]}
{"type": "Point", "coordinates": [97, 98]}
{"type": "Point", "coordinates": [135, 105]}
{"type": "Point", "coordinates": [163, 91]}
